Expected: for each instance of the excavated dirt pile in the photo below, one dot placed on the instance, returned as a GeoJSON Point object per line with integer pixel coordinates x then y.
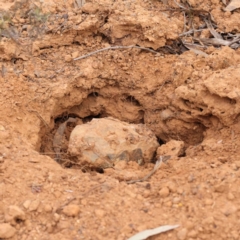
{"type": "Point", "coordinates": [167, 75]}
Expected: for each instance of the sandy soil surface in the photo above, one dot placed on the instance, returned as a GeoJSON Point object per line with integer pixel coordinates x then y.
{"type": "Point", "coordinates": [186, 97]}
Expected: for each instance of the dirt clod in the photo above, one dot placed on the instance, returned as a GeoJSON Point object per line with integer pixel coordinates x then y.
{"type": "Point", "coordinates": [14, 214]}
{"type": "Point", "coordinates": [71, 210]}
{"type": "Point", "coordinates": [6, 231]}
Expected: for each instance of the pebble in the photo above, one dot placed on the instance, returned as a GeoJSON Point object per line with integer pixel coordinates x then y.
{"type": "Point", "coordinates": [84, 202]}
{"type": "Point", "coordinates": [191, 178]}
{"type": "Point", "coordinates": [164, 192]}
{"type": "Point", "coordinates": [71, 210]}
{"type": "Point", "coordinates": [208, 201]}
{"type": "Point", "coordinates": [208, 220]}
{"type": "Point", "coordinates": [6, 231]}
{"type": "Point", "coordinates": [172, 187]}
{"type": "Point", "coordinates": [230, 196]}
{"type": "Point", "coordinates": [237, 163]}
{"type": "Point", "coordinates": [68, 58]}
{"type": "Point", "coordinates": [14, 213]}
{"type": "Point", "coordinates": [48, 208]}
{"type": "Point", "coordinates": [229, 209]}
{"type": "Point", "coordinates": [75, 54]}
{"type": "Point", "coordinates": [63, 224]}
{"type": "Point", "coordinates": [34, 205]}
{"type": "Point", "coordinates": [56, 217]}
{"type": "Point", "coordinates": [182, 234]}
{"type": "Point", "coordinates": [26, 204]}
{"type": "Point", "coordinates": [168, 204]}
{"type": "Point", "coordinates": [193, 234]}
{"type": "Point", "coordinates": [221, 188]}
{"type": "Point", "coordinates": [120, 165]}
{"type": "Point", "coordinates": [100, 213]}
{"type": "Point", "coordinates": [176, 200]}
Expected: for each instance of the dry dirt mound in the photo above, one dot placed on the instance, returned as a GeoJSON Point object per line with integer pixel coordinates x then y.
{"type": "Point", "coordinates": [188, 97]}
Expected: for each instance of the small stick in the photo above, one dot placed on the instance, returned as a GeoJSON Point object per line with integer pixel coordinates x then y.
{"type": "Point", "coordinates": [65, 204]}
{"type": "Point", "coordinates": [156, 167]}
{"type": "Point", "coordinates": [190, 31]}
{"type": "Point", "coordinates": [113, 48]}
{"type": "Point", "coordinates": [179, 5]}
{"type": "Point", "coordinates": [39, 116]}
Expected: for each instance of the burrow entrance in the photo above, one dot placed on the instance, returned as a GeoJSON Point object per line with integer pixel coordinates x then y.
{"type": "Point", "coordinates": [55, 142]}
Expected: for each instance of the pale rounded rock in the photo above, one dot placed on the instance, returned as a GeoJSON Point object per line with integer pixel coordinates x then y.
{"type": "Point", "coordinates": [26, 204]}
{"type": "Point", "coordinates": [63, 224]}
{"type": "Point", "coordinates": [48, 208]}
{"type": "Point", "coordinates": [230, 196]}
{"type": "Point", "coordinates": [208, 201]}
{"type": "Point", "coordinates": [173, 148]}
{"type": "Point", "coordinates": [68, 58]}
{"type": "Point", "coordinates": [208, 220]}
{"type": "Point", "coordinates": [6, 231]}
{"type": "Point", "coordinates": [229, 209]}
{"type": "Point", "coordinates": [221, 188]}
{"type": "Point", "coordinates": [182, 234]}
{"type": "Point", "coordinates": [100, 213]}
{"type": "Point", "coordinates": [164, 192]}
{"type": "Point", "coordinates": [56, 217]}
{"type": "Point", "coordinates": [34, 205]}
{"type": "Point", "coordinates": [71, 210]}
{"type": "Point", "coordinates": [109, 141]}
{"type": "Point", "coordinates": [172, 187]}
{"type": "Point", "coordinates": [193, 234]}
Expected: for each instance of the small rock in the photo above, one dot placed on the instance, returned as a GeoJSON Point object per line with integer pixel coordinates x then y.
{"type": "Point", "coordinates": [221, 188]}
{"type": "Point", "coordinates": [180, 191]}
{"type": "Point", "coordinates": [168, 204]}
{"type": "Point", "coordinates": [192, 234]}
{"type": "Point", "coordinates": [182, 234]}
{"type": "Point", "coordinates": [84, 202]}
{"type": "Point", "coordinates": [208, 201]}
{"type": "Point", "coordinates": [75, 54]}
{"type": "Point", "coordinates": [173, 148]}
{"type": "Point", "coordinates": [6, 231]}
{"type": "Point", "coordinates": [191, 178]}
{"type": "Point", "coordinates": [113, 140]}
{"type": "Point", "coordinates": [189, 225]}
{"type": "Point", "coordinates": [68, 58]}
{"type": "Point", "coordinates": [222, 159]}
{"type": "Point", "coordinates": [71, 210]}
{"type": "Point", "coordinates": [229, 209]}
{"type": "Point", "coordinates": [164, 192]}
{"type": "Point", "coordinates": [26, 204]}
{"type": "Point", "coordinates": [14, 213]}
{"type": "Point", "coordinates": [48, 208]}
{"type": "Point", "coordinates": [230, 196]}
{"type": "Point", "coordinates": [172, 187]}
{"type": "Point", "coordinates": [34, 205]}
{"type": "Point", "coordinates": [208, 220]}
{"type": "Point", "coordinates": [56, 217]}
{"type": "Point", "coordinates": [100, 213]}
{"type": "Point", "coordinates": [2, 128]}
{"type": "Point", "coordinates": [63, 224]}
{"type": "Point", "coordinates": [237, 163]}
{"type": "Point", "coordinates": [120, 165]}
{"type": "Point", "coordinates": [176, 200]}
{"type": "Point", "coordinates": [28, 224]}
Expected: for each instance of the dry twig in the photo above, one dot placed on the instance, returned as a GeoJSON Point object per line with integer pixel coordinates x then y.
{"type": "Point", "coordinates": [156, 167]}
{"type": "Point", "coordinates": [113, 48]}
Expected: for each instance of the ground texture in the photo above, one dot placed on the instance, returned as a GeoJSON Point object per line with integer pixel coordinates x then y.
{"type": "Point", "coordinates": [186, 97]}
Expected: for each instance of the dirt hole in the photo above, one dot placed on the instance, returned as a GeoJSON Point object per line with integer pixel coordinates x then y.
{"type": "Point", "coordinates": [55, 142]}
